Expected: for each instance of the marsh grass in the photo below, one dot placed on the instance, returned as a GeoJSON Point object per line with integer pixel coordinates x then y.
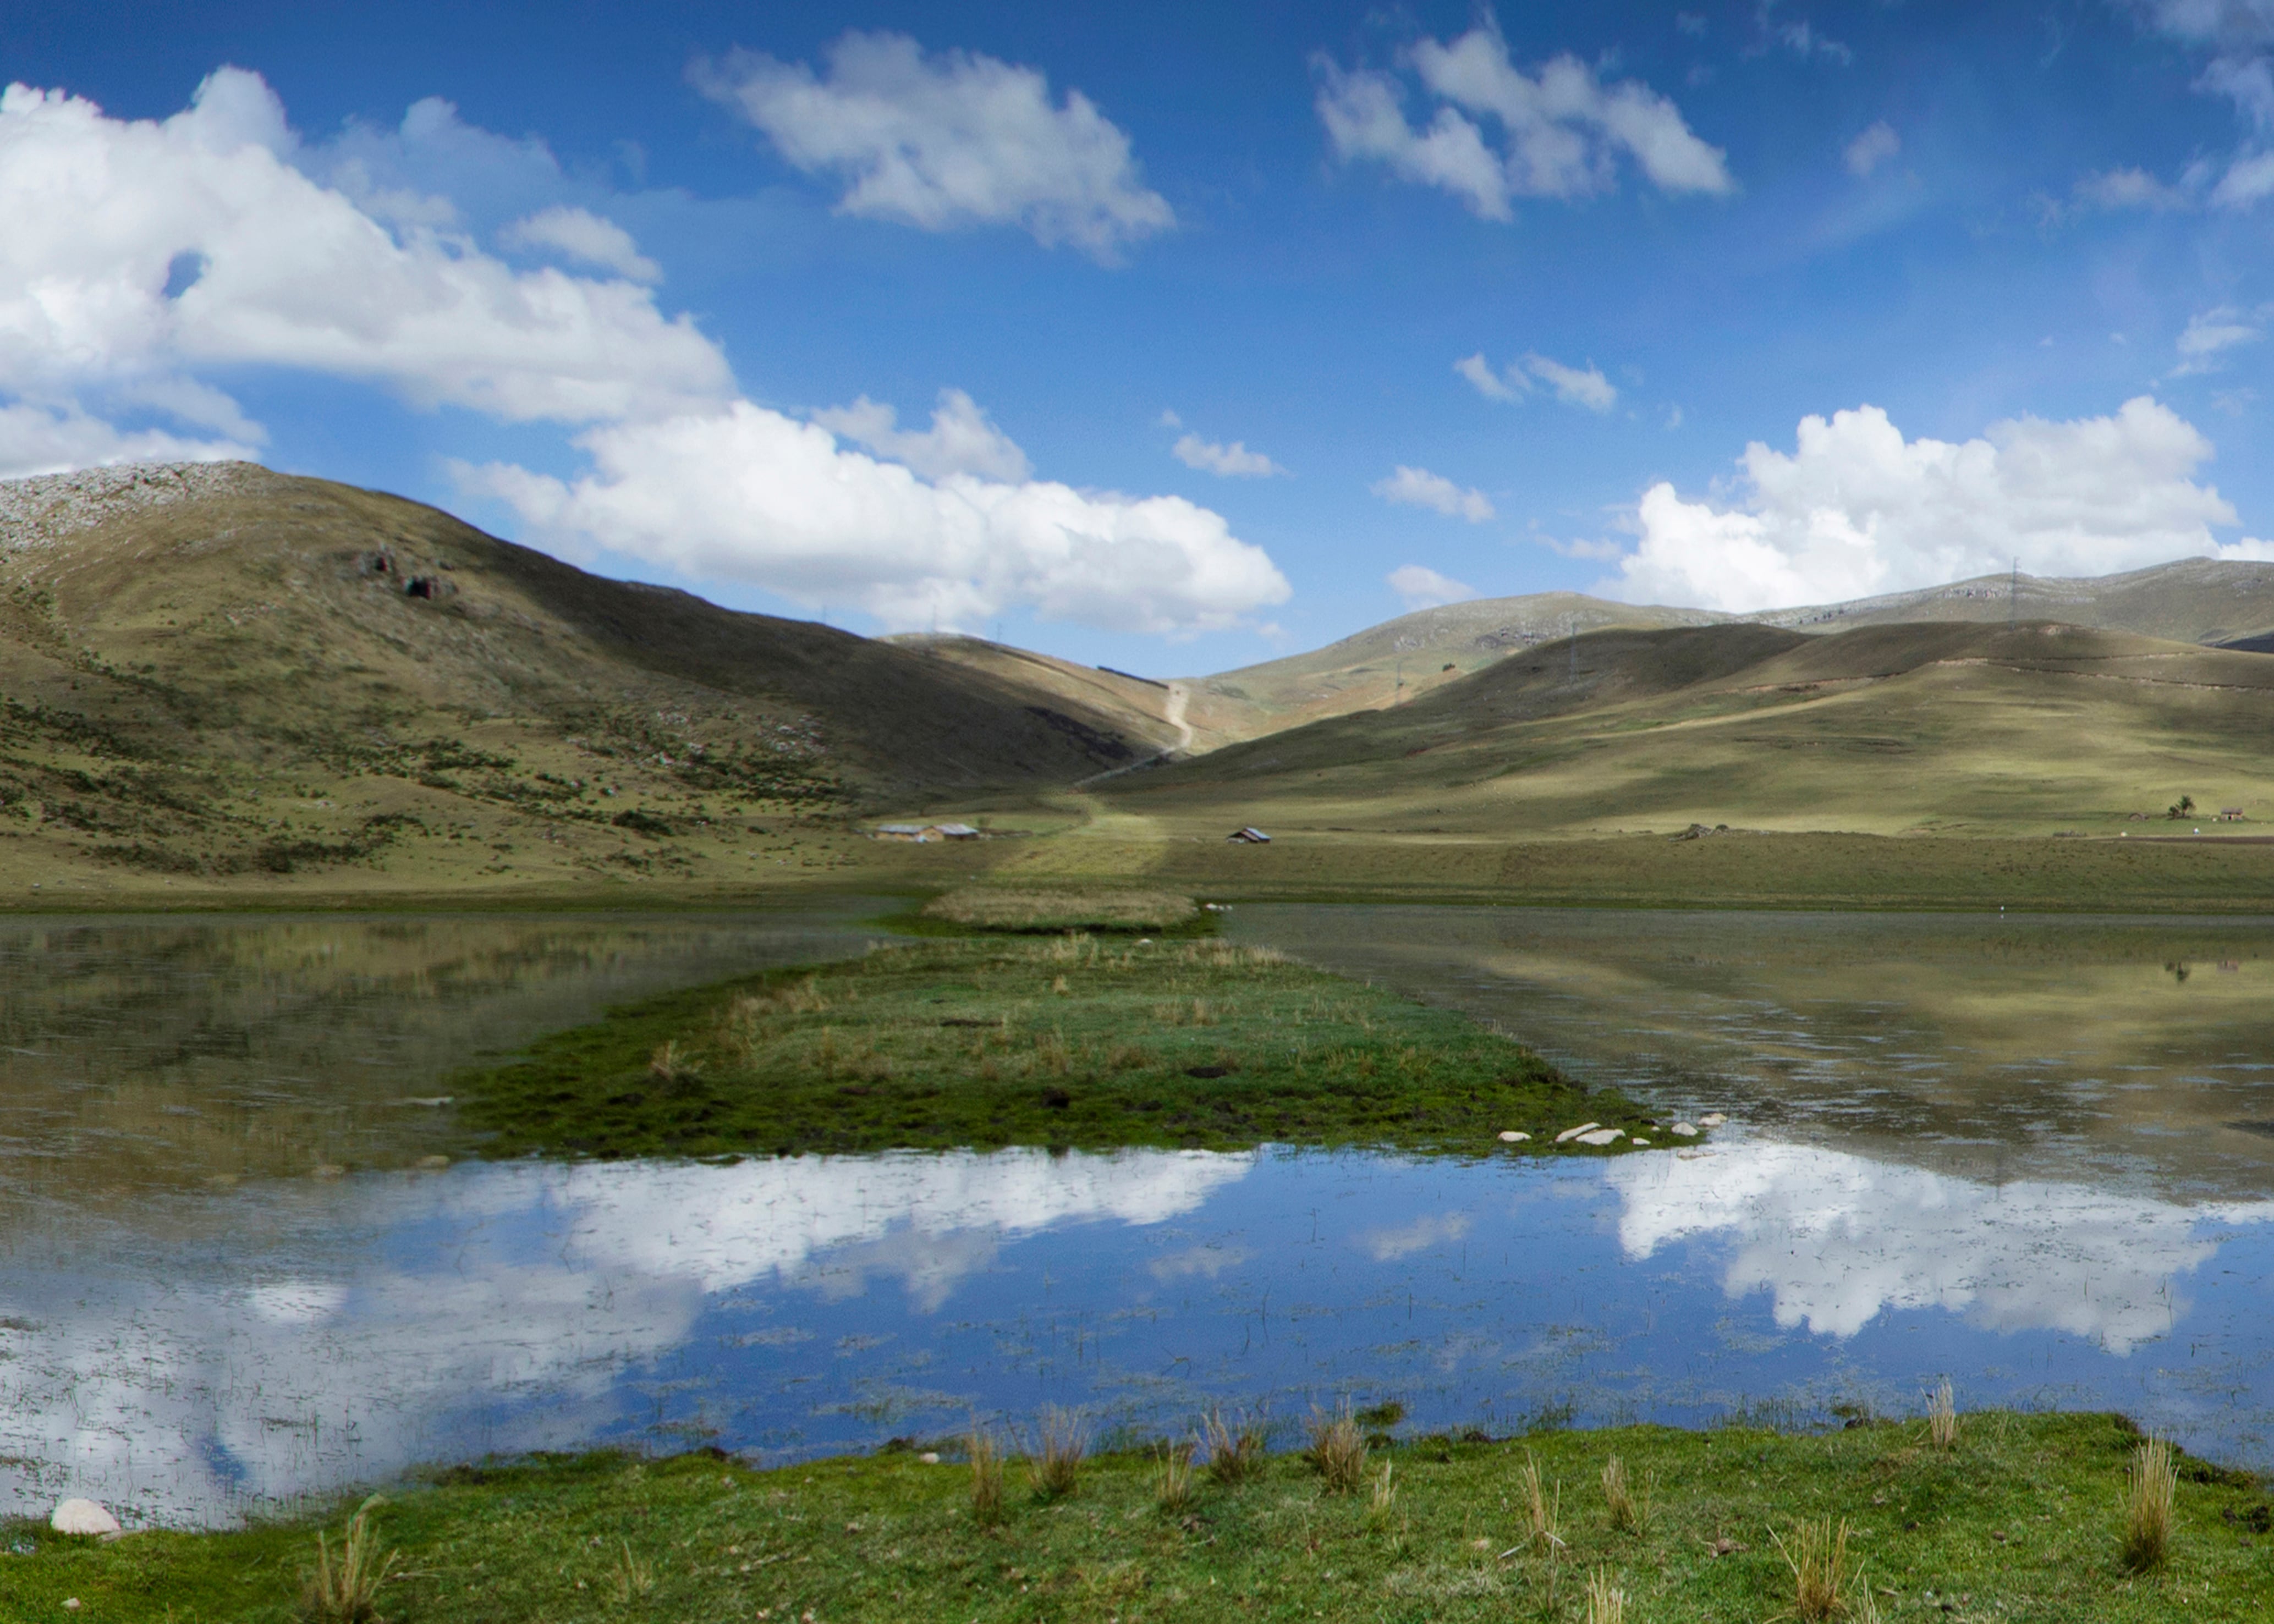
{"type": "Point", "coordinates": [345, 1587]}
{"type": "Point", "coordinates": [1235, 1448]}
{"type": "Point", "coordinates": [1173, 1490]}
{"type": "Point", "coordinates": [1200, 1044]}
{"type": "Point", "coordinates": [1942, 1418]}
{"type": "Point", "coordinates": [1016, 909]}
{"type": "Point", "coordinates": [2150, 1486]}
{"type": "Point", "coordinates": [986, 1476]}
{"type": "Point", "coordinates": [1338, 1451]}
{"type": "Point", "coordinates": [1629, 1512]}
{"type": "Point", "coordinates": [1381, 1499]}
{"type": "Point", "coordinates": [635, 1576]}
{"type": "Point", "coordinates": [1054, 1464]}
{"type": "Point", "coordinates": [1607, 1602]}
{"type": "Point", "coordinates": [1543, 1511]}
{"type": "Point", "coordinates": [1818, 1557]}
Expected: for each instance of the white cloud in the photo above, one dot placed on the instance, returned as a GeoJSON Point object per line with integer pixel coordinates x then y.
{"type": "Point", "coordinates": [2131, 188]}
{"type": "Point", "coordinates": [1233, 461]}
{"type": "Point", "coordinates": [1488, 383]}
{"type": "Point", "coordinates": [962, 439]}
{"type": "Point", "coordinates": [749, 494]}
{"type": "Point", "coordinates": [1800, 38]}
{"type": "Point", "coordinates": [2210, 333]}
{"type": "Point", "coordinates": [1418, 488]}
{"type": "Point", "coordinates": [2239, 34]}
{"type": "Point", "coordinates": [1573, 386]}
{"type": "Point", "coordinates": [36, 439]}
{"type": "Point", "coordinates": [1868, 150]}
{"type": "Point", "coordinates": [2247, 181]}
{"type": "Point", "coordinates": [1423, 588]}
{"type": "Point", "coordinates": [953, 140]}
{"type": "Point", "coordinates": [585, 237]}
{"type": "Point", "coordinates": [138, 249]}
{"type": "Point", "coordinates": [1837, 1240]}
{"type": "Point", "coordinates": [1856, 509]}
{"type": "Point", "coordinates": [1561, 133]}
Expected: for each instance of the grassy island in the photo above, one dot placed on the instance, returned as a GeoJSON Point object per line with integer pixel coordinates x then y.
{"type": "Point", "coordinates": [1086, 1042]}
{"type": "Point", "coordinates": [2020, 1517]}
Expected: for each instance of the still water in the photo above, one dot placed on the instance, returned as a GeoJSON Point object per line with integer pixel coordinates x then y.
{"type": "Point", "coordinates": [2030, 1155]}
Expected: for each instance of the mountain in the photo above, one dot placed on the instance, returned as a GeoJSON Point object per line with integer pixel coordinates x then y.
{"type": "Point", "coordinates": [211, 670]}
{"type": "Point", "coordinates": [1899, 728]}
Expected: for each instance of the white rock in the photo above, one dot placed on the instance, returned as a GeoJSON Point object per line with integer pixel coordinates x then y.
{"type": "Point", "coordinates": [1569, 1134]}
{"type": "Point", "coordinates": [1602, 1136]}
{"type": "Point", "coordinates": [1512, 1135]}
{"type": "Point", "coordinates": [82, 1516]}
{"type": "Point", "coordinates": [929, 1457]}
{"type": "Point", "coordinates": [1640, 1140]}
{"type": "Point", "coordinates": [1688, 1131]}
{"type": "Point", "coordinates": [1712, 1119]}
{"type": "Point", "coordinates": [1693, 1155]}
{"type": "Point", "coordinates": [71, 1603]}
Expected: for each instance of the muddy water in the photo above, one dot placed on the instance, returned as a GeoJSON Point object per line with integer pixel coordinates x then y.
{"type": "Point", "coordinates": [1993, 1152]}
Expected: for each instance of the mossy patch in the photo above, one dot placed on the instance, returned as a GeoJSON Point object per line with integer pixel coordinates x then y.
{"type": "Point", "coordinates": [1073, 1041]}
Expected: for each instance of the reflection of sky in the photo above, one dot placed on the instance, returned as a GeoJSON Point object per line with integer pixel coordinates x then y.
{"type": "Point", "coordinates": [299, 1337]}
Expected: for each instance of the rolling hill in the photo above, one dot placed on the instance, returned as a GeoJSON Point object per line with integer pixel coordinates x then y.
{"type": "Point", "coordinates": [216, 670]}
{"type": "Point", "coordinates": [1885, 729]}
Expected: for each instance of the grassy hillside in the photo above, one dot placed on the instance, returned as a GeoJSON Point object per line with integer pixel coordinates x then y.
{"type": "Point", "coordinates": [1887, 730]}
{"type": "Point", "coordinates": [216, 675]}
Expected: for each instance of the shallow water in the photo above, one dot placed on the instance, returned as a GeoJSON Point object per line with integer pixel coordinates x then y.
{"type": "Point", "coordinates": [189, 1351]}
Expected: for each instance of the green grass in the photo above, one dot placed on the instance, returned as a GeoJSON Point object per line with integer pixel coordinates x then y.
{"type": "Point", "coordinates": [996, 908]}
{"type": "Point", "coordinates": [1071, 1041]}
{"type": "Point", "coordinates": [2022, 1521]}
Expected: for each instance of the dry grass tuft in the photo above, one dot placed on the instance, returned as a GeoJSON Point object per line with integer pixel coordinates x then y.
{"type": "Point", "coordinates": [1942, 1418]}
{"type": "Point", "coordinates": [986, 1476]}
{"type": "Point", "coordinates": [344, 1588]}
{"type": "Point", "coordinates": [1607, 1603]}
{"type": "Point", "coordinates": [1173, 1479]}
{"type": "Point", "coordinates": [1382, 1500]}
{"type": "Point", "coordinates": [1338, 1449]}
{"type": "Point", "coordinates": [1818, 1557]}
{"type": "Point", "coordinates": [2149, 1486]}
{"type": "Point", "coordinates": [1541, 1512]}
{"type": "Point", "coordinates": [670, 1063]}
{"type": "Point", "coordinates": [1235, 1449]}
{"type": "Point", "coordinates": [634, 1577]}
{"type": "Point", "coordinates": [1062, 1438]}
{"type": "Point", "coordinates": [1630, 1513]}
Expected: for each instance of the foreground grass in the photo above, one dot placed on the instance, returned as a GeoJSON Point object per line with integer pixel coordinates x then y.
{"type": "Point", "coordinates": [2020, 1521]}
{"type": "Point", "coordinates": [1071, 1041]}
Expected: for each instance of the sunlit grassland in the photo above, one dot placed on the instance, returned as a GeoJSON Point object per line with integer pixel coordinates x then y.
{"type": "Point", "coordinates": [1075, 1041]}
{"type": "Point", "coordinates": [2023, 1518]}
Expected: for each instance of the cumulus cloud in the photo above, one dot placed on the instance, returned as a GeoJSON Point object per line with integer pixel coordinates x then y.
{"type": "Point", "coordinates": [1233, 461]}
{"type": "Point", "coordinates": [141, 252]}
{"type": "Point", "coordinates": [2210, 333]}
{"type": "Point", "coordinates": [947, 140]}
{"type": "Point", "coordinates": [1856, 509]}
{"type": "Point", "coordinates": [962, 439]}
{"type": "Point", "coordinates": [583, 236]}
{"type": "Point", "coordinates": [1561, 133]}
{"type": "Point", "coordinates": [1868, 150]}
{"type": "Point", "coordinates": [1573, 386]}
{"type": "Point", "coordinates": [1418, 488]}
{"type": "Point", "coordinates": [749, 494]}
{"type": "Point", "coordinates": [139, 249]}
{"type": "Point", "coordinates": [1423, 588]}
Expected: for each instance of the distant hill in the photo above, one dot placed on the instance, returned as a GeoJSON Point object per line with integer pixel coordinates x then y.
{"type": "Point", "coordinates": [216, 669]}
{"type": "Point", "coordinates": [1933, 727]}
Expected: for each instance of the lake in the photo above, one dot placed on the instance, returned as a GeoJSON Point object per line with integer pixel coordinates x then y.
{"type": "Point", "coordinates": [2030, 1154]}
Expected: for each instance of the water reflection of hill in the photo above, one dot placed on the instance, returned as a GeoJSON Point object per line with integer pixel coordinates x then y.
{"type": "Point", "coordinates": [2043, 1046]}
{"type": "Point", "coordinates": [143, 1054]}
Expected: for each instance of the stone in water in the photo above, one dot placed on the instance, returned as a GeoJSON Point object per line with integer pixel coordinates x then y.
{"type": "Point", "coordinates": [1712, 1119]}
{"type": "Point", "coordinates": [1569, 1134]}
{"type": "Point", "coordinates": [1511, 1135]}
{"type": "Point", "coordinates": [82, 1516]}
{"type": "Point", "coordinates": [1688, 1131]}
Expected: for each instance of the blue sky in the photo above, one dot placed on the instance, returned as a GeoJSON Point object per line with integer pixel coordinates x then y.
{"type": "Point", "coordinates": [1434, 299]}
